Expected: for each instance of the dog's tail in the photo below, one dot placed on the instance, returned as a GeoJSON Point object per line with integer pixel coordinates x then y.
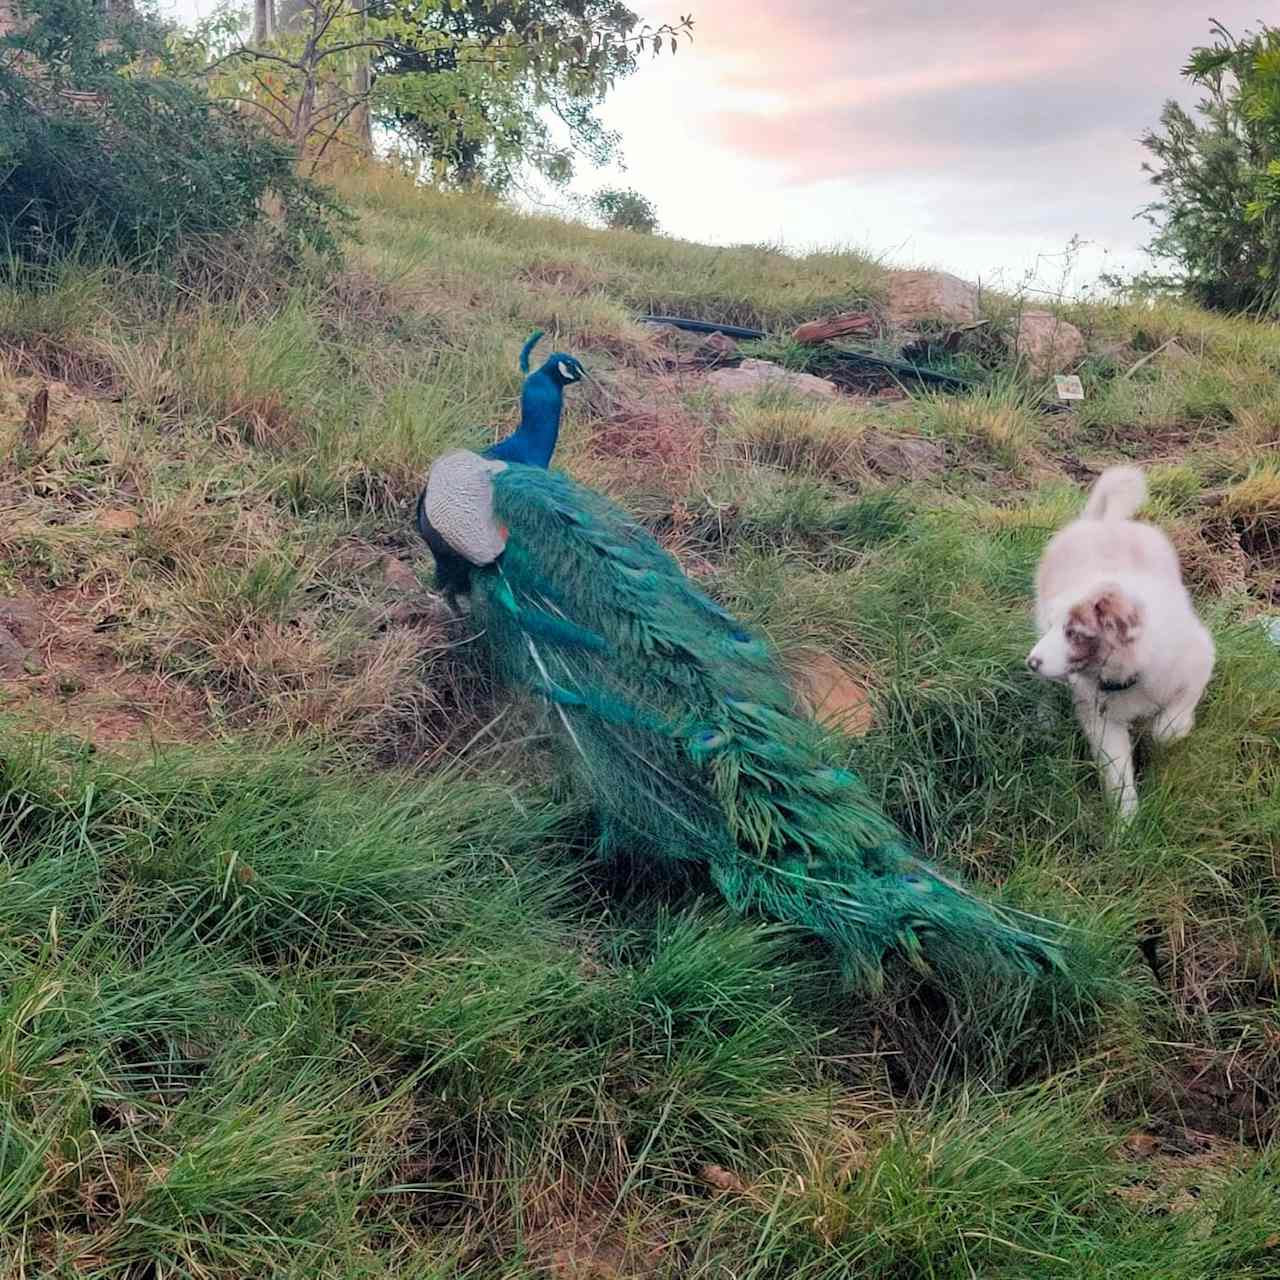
{"type": "Point", "coordinates": [1117, 494]}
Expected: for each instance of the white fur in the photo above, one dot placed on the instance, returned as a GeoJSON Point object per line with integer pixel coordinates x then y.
{"type": "Point", "coordinates": [1110, 604]}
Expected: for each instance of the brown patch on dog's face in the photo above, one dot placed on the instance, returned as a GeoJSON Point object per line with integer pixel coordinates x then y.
{"type": "Point", "coordinates": [1118, 617]}
{"type": "Point", "coordinates": [1097, 628]}
{"type": "Point", "coordinates": [1083, 634]}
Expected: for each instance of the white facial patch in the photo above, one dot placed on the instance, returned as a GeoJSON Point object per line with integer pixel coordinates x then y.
{"type": "Point", "coordinates": [566, 372]}
{"type": "Point", "coordinates": [1052, 653]}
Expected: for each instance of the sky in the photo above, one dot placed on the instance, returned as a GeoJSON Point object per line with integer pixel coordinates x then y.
{"type": "Point", "coordinates": [976, 137]}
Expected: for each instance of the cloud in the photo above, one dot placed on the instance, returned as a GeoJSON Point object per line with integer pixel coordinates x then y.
{"type": "Point", "coordinates": [875, 87]}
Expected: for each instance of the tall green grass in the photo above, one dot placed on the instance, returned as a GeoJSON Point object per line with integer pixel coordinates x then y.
{"type": "Point", "coordinates": [339, 988]}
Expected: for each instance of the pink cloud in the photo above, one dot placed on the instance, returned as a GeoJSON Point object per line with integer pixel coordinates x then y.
{"type": "Point", "coordinates": [875, 87]}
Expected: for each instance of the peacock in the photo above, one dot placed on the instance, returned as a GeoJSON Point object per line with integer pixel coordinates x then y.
{"type": "Point", "coordinates": [678, 720]}
{"type": "Point", "coordinates": [532, 443]}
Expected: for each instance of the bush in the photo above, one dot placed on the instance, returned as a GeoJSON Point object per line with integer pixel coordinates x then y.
{"type": "Point", "coordinates": [1219, 177]}
{"type": "Point", "coordinates": [624, 210]}
{"type": "Point", "coordinates": [102, 154]}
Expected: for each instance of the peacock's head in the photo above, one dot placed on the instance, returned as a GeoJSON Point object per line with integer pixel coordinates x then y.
{"type": "Point", "coordinates": [563, 369]}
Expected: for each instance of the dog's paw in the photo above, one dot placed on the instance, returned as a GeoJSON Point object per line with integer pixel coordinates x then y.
{"type": "Point", "coordinates": [1173, 728]}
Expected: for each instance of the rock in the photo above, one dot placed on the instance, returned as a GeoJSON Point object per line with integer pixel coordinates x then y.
{"type": "Point", "coordinates": [396, 573]}
{"type": "Point", "coordinates": [835, 327]}
{"type": "Point", "coordinates": [904, 457]}
{"type": "Point", "coordinates": [721, 1179]}
{"type": "Point", "coordinates": [714, 350]}
{"type": "Point", "coordinates": [1048, 343]}
{"type": "Point", "coordinates": [916, 296]}
{"type": "Point", "coordinates": [667, 334]}
{"type": "Point", "coordinates": [834, 696]}
{"type": "Point", "coordinates": [16, 618]}
{"type": "Point", "coordinates": [118, 521]}
{"type": "Point", "coordinates": [1173, 352]}
{"type": "Point", "coordinates": [754, 375]}
{"type": "Point", "coordinates": [427, 608]}
{"type": "Point", "coordinates": [21, 614]}
{"type": "Point", "coordinates": [1140, 1146]}
{"type": "Point", "coordinates": [13, 656]}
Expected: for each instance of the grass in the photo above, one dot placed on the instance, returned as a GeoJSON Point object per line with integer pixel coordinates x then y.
{"type": "Point", "coordinates": [309, 965]}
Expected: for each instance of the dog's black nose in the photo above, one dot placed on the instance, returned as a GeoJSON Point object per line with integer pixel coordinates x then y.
{"type": "Point", "coordinates": [1035, 663]}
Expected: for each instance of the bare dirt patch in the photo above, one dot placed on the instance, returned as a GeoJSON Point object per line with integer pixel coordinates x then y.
{"type": "Point", "coordinates": [594, 1245]}
{"type": "Point", "coordinates": [69, 681]}
{"type": "Point", "coordinates": [1174, 1166]}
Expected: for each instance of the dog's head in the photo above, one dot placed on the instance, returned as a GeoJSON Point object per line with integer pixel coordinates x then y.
{"type": "Point", "coordinates": [1091, 635]}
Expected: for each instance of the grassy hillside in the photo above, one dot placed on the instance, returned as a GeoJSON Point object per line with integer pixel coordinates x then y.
{"type": "Point", "coordinates": [307, 967]}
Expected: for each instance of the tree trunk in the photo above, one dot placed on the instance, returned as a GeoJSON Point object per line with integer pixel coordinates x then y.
{"type": "Point", "coordinates": [361, 125]}
{"type": "Point", "coordinates": [264, 21]}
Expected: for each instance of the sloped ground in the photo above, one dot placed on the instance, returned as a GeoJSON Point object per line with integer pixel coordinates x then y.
{"type": "Point", "coordinates": [307, 969]}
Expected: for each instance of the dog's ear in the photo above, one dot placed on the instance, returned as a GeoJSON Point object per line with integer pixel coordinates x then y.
{"type": "Point", "coordinates": [1119, 617]}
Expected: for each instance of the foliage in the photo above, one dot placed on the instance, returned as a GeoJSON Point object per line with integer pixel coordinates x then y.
{"type": "Point", "coordinates": [1219, 213]}
{"type": "Point", "coordinates": [625, 210]}
{"type": "Point", "coordinates": [519, 62]}
{"type": "Point", "coordinates": [467, 88]}
{"type": "Point", "coordinates": [103, 154]}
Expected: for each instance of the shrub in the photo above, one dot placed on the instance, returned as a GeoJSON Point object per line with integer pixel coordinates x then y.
{"type": "Point", "coordinates": [102, 153]}
{"type": "Point", "coordinates": [625, 210]}
{"type": "Point", "coordinates": [1218, 217]}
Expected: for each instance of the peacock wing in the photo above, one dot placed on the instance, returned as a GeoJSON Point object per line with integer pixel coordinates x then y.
{"type": "Point", "coordinates": [459, 507]}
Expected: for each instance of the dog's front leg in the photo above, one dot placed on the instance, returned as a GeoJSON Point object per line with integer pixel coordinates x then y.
{"type": "Point", "coordinates": [1113, 750]}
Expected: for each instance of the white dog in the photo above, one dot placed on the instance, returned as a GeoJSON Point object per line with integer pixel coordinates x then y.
{"type": "Point", "coordinates": [1117, 624]}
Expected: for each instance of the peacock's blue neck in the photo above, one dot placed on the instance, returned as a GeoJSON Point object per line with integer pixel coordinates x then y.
{"type": "Point", "coordinates": [534, 440]}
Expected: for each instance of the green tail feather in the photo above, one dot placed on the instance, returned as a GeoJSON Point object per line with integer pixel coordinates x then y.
{"type": "Point", "coordinates": [685, 732]}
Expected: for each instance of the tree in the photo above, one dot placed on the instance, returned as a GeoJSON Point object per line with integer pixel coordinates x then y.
{"type": "Point", "coordinates": [103, 153]}
{"type": "Point", "coordinates": [624, 210]}
{"type": "Point", "coordinates": [466, 84]}
{"type": "Point", "coordinates": [520, 62]}
{"type": "Point", "coordinates": [1218, 172]}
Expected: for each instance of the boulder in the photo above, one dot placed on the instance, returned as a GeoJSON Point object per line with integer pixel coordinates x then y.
{"type": "Point", "coordinates": [919, 297]}
{"type": "Point", "coordinates": [903, 457]}
{"type": "Point", "coordinates": [754, 375]}
{"type": "Point", "coordinates": [1048, 343]}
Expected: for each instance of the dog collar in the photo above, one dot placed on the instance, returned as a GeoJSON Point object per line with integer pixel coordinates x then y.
{"type": "Point", "coordinates": [1118, 686]}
